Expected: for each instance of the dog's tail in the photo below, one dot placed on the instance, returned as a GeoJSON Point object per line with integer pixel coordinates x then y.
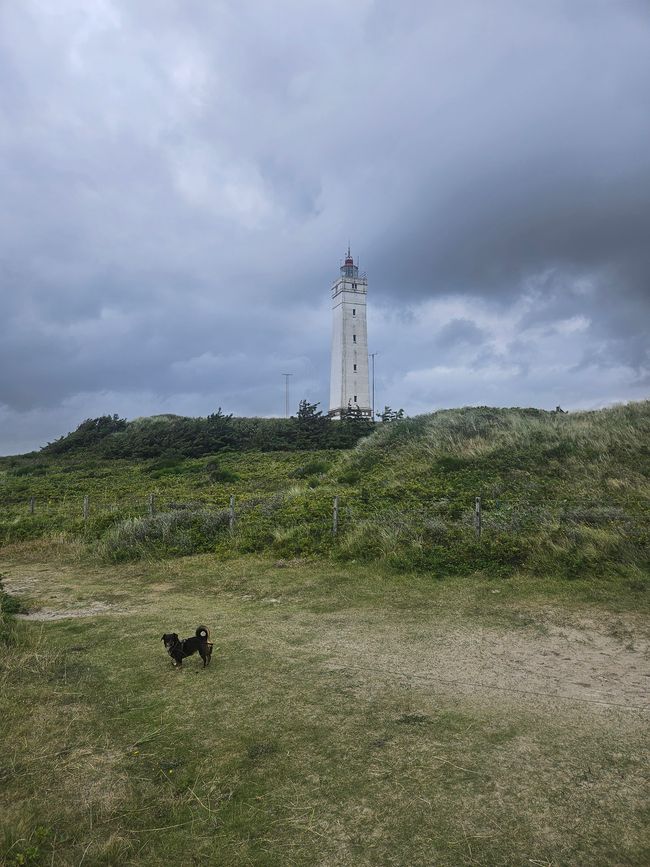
{"type": "Point", "coordinates": [202, 632]}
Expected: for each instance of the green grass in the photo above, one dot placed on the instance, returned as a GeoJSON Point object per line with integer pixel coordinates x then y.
{"type": "Point", "coordinates": [564, 497]}
{"type": "Point", "coordinates": [337, 724]}
{"type": "Point", "coordinates": [402, 693]}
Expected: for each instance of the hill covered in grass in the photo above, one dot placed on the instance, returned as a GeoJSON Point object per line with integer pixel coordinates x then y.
{"type": "Point", "coordinates": [111, 437]}
{"type": "Point", "coordinates": [400, 688]}
{"type": "Point", "coordinates": [565, 496]}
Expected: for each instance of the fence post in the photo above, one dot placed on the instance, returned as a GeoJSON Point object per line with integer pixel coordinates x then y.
{"type": "Point", "coordinates": [231, 515]}
{"type": "Point", "coordinates": [152, 504]}
{"type": "Point", "coordinates": [335, 517]}
{"type": "Point", "coordinates": [31, 505]}
{"type": "Point", "coordinates": [477, 517]}
{"type": "Point", "coordinates": [86, 506]}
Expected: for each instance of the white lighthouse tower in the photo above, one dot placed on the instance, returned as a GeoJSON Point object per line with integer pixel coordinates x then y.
{"type": "Point", "coordinates": [349, 384]}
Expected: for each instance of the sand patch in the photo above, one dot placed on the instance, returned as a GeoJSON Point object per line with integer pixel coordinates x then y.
{"type": "Point", "coordinates": [579, 663]}
{"type": "Point", "coordinates": [47, 614]}
{"type": "Point", "coordinates": [54, 594]}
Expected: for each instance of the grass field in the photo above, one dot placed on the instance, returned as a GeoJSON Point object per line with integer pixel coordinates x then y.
{"type": "Point", "coordinates": [402, 693]}
{"type": "Point", "coordinates": [351, 715]}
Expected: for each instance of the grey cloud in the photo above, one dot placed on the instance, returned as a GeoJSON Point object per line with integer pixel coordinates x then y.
{"type": "Point", "coordinates": [179, 180]}
{"type": "Point", "coordinates": [460, 331]}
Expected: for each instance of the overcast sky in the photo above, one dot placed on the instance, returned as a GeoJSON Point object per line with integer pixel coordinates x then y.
{"type": "Point", "coordinates": [179, 180]}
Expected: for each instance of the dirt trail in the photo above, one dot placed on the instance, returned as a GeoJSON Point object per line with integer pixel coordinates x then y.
{"type": "Point", "coordinates": [92, 610]}
{"type": "Point", "coordinates": [49, 586]}
{"type": "Point", "coordinates": [580, 662]}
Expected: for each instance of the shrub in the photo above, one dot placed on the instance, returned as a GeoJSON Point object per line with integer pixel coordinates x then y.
{"type": "Point", "coordinates": [312, 468]}
{"type": "Point", "coordinates": [182, 531]}
{"type": "Point", "coordinates": [217, 473]}
{"type": "Point", "coordinates": [166, 461]}
{"type": "Point", "coordinates": [11, 631]}
{"type": "Point", "coordinates": [34, 470]}
{"type": "Point", "coordinates": [291, 541]}
{"type": "Point", "coordinates": [10, 604]}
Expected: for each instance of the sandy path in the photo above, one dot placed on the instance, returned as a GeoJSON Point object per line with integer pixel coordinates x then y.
{"type": "Point", "coordinates": [581, 662]}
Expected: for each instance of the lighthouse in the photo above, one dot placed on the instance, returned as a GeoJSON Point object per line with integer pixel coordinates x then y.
{"type": "Point", "coordinates": [349, 384]}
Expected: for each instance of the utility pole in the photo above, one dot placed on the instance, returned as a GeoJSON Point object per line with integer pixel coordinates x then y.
{"type": "Point", "coordinates": [286, 393]}
{"type": "Point", "coordinates": [372, 355]}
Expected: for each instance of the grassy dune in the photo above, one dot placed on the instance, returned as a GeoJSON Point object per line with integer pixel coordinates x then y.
{"type": "Point", "coordinates": [565, 499]}
{"type": "Point", "coordinates": [403, 693]}
{"type": "Point", "coordinates": [349, 717]}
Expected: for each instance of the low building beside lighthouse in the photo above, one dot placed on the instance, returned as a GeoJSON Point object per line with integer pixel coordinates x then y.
{"type": "Point", "coordinates": [349, 381]}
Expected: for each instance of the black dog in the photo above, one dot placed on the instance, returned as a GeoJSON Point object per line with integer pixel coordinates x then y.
{"type": "Point", "coordinates": [178, 649]}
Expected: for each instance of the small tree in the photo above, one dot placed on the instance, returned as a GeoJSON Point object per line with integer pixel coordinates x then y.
{"type": "Point", "coordinates": [390, 414]}
{"type": "Point", "coordinates": [354, 424]}
{"type": "Point", "coordinates": [89, 433]}
{"type": "Point", "coordinates": [312, 426]}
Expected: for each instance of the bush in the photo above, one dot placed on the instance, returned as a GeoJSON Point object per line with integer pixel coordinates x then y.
{"type": "Point", "coordinates": [34, 470]}
{"type": "Point", "coordinates": [182, 531]}
{"type": "Point", "coordinates": [10, 604]}
{"type": "Point", "coordinates": [11, 631]}
{"type": "Point", "coordinates": [170, 460]}
{"type": "Point", "coordinates": [157, 436]}
{"type": "Point", "coordinates": [292, 541]}
{"type": "Point", "coordinates": [312, 468]}
{"type": "Point", "coordinates": [217, 473]}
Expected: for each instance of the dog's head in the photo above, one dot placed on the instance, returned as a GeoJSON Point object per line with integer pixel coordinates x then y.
{"type": "Point", "coordinates": [170, 639]}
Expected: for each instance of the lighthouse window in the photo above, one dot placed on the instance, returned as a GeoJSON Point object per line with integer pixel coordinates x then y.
{"type": "Point", "coordinates": [354, 338]}
{"type": "Point", "coordinates": [354, 311]}
{"type": "Point", "coordinates": [355, 398]}
{"type": "Point", "coordinates": [355, 367]}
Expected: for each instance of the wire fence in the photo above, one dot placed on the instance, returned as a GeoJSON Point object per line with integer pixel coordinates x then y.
{"type": "Point", "coordinates": [339, 512]}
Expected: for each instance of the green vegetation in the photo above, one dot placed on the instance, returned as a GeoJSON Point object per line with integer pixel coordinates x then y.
{"type": "Point", "coordinates": [172, 436]}
{"type": "Point", "coordinates": [9, 606]}
{"type": "Point", "coordinates": [401, 693]}
{"type": "Point", "coordinates": [565, 496]}
{"type": "Point", "coordinates": [341, 721]}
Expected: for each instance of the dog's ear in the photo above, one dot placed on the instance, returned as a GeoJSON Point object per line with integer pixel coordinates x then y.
{"type": "Point", "coordinates": [163, 638]}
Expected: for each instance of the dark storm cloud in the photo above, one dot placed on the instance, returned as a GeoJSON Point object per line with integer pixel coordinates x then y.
{"type": "Point", "coordinates": [459, 333]}
{"type": "Point", "coordinates": [544, 174]}
{"type": "Point", "coordinates": [178, 181]}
